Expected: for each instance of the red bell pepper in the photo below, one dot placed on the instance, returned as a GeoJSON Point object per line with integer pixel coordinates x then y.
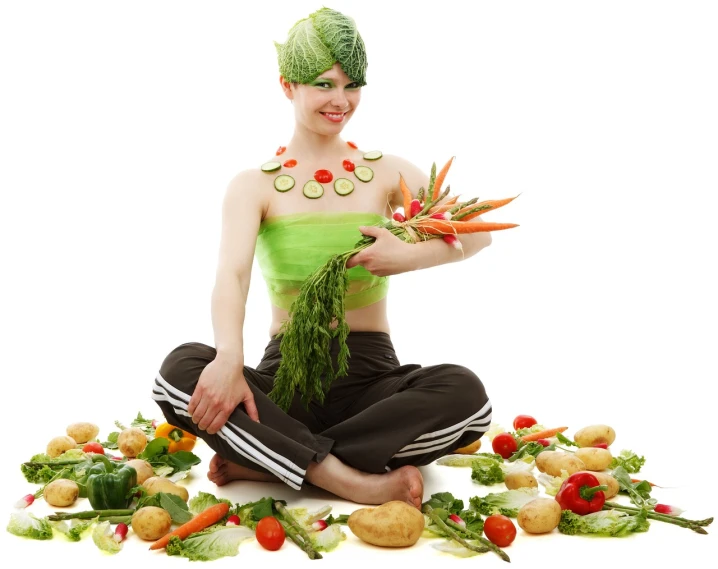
{"type": "Point", "coordinates": [582, 494]}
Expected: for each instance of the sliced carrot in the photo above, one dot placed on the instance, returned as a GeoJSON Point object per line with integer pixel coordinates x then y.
{"type": "Point", "coordinates": [201, 521]}
{"type": "Point", "coordinates": [439, 227]}
{"type": "Point", "coordinates": [440, 178]}
{"type": "Point", "coordinates": [543, 434]}
{"type": "Point", "coordinates": [406, 193]}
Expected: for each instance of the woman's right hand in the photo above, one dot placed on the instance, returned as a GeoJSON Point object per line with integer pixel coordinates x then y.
{"type": "Point", "coordinates": [220, 389]}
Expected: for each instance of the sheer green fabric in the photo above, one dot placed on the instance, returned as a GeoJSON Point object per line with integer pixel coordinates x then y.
{"type": "Point", "coordinates": [291, 247]}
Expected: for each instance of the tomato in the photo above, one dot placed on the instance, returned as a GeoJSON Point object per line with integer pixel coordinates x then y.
{"type": "Point", "coordinates": [500, 530]}
{"type": "Point", "coordinates": [270, 533]}
{"type": "Point", "coordinates": [290, 163]}
{"type": "Point", "coordinates": [348, 165]}
{"type": "Point", "coordinates": [323, 176]}
{"type": "Point", "coordinates": [504, 444]}
{"type": "Point", "coordinates": [352, 144]}
{"type": "Point", "coordinates": [524, 422]}
{"type": "Point", "coordinates": [93, 447]}
{"type": "Point", "coordinates": [281, 150]}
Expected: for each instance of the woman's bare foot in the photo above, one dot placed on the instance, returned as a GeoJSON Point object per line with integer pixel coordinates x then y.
{"type": "Point", "coordinates": [222, 471]}
{"type": "Point", "coordinates": [405, 483]}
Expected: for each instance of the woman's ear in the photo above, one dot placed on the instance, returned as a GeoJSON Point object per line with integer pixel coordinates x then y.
{"type": "Point", "coordinates": [286, 87]}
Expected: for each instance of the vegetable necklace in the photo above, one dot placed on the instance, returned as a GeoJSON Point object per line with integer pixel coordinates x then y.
{"type": "Point", "coordinates": [314, 189]}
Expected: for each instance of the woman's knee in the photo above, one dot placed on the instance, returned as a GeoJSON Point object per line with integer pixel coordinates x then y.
{"type": "Point", "coordinates": [465, 391]}
{"type": "Point", "coordinates": [190, 358]}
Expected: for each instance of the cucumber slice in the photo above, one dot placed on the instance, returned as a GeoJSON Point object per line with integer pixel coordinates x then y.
{"type": "Point", "coordinates": [283, 183]}
{"type": "Point", "coordinates": [373, 155]}
{"type": "Point", "coordinates": [343, 186]}
{"type": "Point", "coordinates": [271, 166]}
{"type": "Point", "coordinates": [364, 173]}
{"type": "Point", "coordinates": [313, 189]}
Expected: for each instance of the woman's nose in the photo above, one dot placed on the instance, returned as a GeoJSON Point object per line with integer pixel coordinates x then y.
{"type": "Point", "coordinates": [339, 99]}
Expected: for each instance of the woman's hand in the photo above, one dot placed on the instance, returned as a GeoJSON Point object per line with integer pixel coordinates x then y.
{"type": "Point", "coordinates": [388, 255]}
{"type": "Point", "coordinates": [221, 387]}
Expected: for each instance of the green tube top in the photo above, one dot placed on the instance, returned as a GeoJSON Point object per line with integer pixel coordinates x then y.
{"type": "Point", "coordinates": [291, 247]}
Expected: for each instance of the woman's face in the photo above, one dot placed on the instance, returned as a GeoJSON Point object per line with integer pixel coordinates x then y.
{"type": "Point", "coordinates": [326, 104]}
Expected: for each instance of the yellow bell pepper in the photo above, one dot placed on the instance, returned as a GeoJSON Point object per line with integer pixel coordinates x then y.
{"type": "Point", "coordinates": [179, 439]}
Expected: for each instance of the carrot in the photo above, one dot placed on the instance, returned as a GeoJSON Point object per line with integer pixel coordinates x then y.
{"type": "Point", "coordinates": [439, 227]}
{"type": "Point", "coordinates": [407, 196]}
{"type": "Point", "coordinates": [543, 434]}
{"type": "Point", "coordinates": [485, 205]}
{"type": "Point", "coordinates": [446, 206]}
{"type": "Point", "coordinates": [440, 178]}
{"type": "Point", "coordinates": [201, 521]}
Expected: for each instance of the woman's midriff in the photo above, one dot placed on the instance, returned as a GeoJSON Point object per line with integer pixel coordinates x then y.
{"type": "Point", "coordinates": [372, 318]}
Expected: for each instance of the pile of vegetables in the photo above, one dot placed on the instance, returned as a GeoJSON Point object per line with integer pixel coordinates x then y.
{"type": "Point", "coordinates": [317, 316]}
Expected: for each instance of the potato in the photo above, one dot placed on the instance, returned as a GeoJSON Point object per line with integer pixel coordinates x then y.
{"type": "Point", "coordinates": [132, 442]}
{"type": "Point", "coordinates": [522, 479]}
{"type": "Point", "coordinates": [469, 449]}
{"type": "Point", "coordinates": [143, 468]}
{"type": "Point", "coordinates": [58, 445]}
{"type": "Point", "coordinates": [609, 481]}
{"type": "Point", "coordinates": [553, 462]}
{"type": "Point", "coordinates": [541, 515]}
{"type": "Point", "coordinates": [151, 523]}
{"type": "Point", "coordinates": [156, 484]}
{"type": "Point", "coordinates": [61, 492]}
{"type": "Point", "coordinates": [594, 458]}
{"type": "Point", "coordinates": [393, 524]}
{"type": "Point", "coordinates": [594, 435]}
{"type": "Point", "coordinates": [82, 432]}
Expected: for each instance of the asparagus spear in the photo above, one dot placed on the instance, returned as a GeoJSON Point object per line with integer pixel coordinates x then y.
{"type": "Point", "coordinates": [695, 525]}
{"type": "Point", "coordinates": [296, 532]}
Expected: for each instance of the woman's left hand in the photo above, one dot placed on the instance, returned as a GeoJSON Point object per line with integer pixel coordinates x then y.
{"type": "Point", "coordinates": [388, 255]}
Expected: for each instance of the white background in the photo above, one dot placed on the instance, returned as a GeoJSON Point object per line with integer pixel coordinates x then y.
{"type": "Point", "coordinates": [121, 125]}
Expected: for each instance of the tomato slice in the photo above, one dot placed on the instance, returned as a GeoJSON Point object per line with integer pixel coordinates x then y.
{"type": "Point", "coordinates": [500, 530]}
{"type": "Point", "coordinates": [348, 165]}
{"type": "Point", "coordinates": [270, 533]}
{"type": "Point", "coordinates": [281, 150]}
{"type": "Point", "coordinates": [291, 163]}
{"type": "Point", "coordinates": [93, 447]}
{"type": "Point", "coordinates": [323, 176]}
{"type": "Point", "coordinates": [353, 145]}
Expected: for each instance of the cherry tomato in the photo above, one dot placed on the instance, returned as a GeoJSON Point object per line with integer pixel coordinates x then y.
{"type": "Point", "coordinates": [500, 530]}
{"type": "Point", "coordinates": [348, 165]}
{"type": "Point", "coordinates": [353, 145]}
{"type": "Point", "coordinates": [524, 422]}
{"type": "Point", "coordinates": [281, 150]}
{"type": "Point", "coordinates": [291, 163]}
{"type": "Point", "coordinates": [93, 447]}
{"type": "Point", "coordinates": [323, 176]}
{"type": "Point", "coordinates": [504, 444]}
{"type": "Point", "coordinates": [270, 533]}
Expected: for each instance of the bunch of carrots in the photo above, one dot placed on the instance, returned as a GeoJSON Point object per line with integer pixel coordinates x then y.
{"type": "Point", "coordinates": [317, 316]}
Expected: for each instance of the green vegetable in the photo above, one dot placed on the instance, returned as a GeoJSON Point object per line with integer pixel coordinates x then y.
{"type": "Point", "coordinates": [173, 504]}
{"type": "Point", "coordinates": [103, 536]}
{"type": "Point", "coordinates": [75, 529]}
{"type": "Point", "coordinates": [628, 460]}
{"type": "Point", "coordinates": [210, 544]}
{"type": "Point", "coordinates": [328, 538]}
{"type": "Point", "coordinates": [607, 523]}
{"type": "Point", "coordinates": [529, 449]}
{"type": "Point", "coordinates": [315, 43]}
{"type": "Point", "coordinates": [204, 500]}
{"type": "Point", "coordinates": [443, 504]}
{"type": "Point", "coordinates": [552, 484]}
{"type": "Point", "coordinates": [565, 440]}
{"type": "Point", "coordinates": [24, 524]}
{"type": "Point", "coordinates": [695, 525]}
{"type": "Point", "coordinates": [165, 463]}
{"type": "Point", "coordinates": [108, 486]}
{"type": "Point", "coordinates": [506, 503]}
{"type": "Point", "coordinates": [487, 470]}
{"type": "Point", "coordinates": [638, 492]}
{"type": "Point", "coordinates": [40, 469]}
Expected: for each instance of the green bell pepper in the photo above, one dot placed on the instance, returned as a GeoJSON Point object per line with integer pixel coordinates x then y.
{"type": "Point", "coordinates": [109, 485]}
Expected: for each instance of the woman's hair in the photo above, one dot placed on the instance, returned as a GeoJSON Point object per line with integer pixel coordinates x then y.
{"type": "Point", "coordinates": [315, 43]}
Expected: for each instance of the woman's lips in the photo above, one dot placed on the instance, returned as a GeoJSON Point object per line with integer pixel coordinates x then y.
{"type": "Point", "coordinates": [334, 117]}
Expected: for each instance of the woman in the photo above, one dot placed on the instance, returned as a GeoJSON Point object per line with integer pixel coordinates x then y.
{"type": "Point", "coordinates": [376, 425]}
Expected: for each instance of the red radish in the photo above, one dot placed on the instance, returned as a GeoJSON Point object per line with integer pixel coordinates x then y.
{"type": "Point", "coordinates": [601, 445]}
{"type": "Point", "coordinates": [319, 525]}
{"type": "Point", "coordinates": [416, 207]}
{"type": "Point", "coordinates": [233, 520]}
{"type": "Point", "coordinates": [440, 215]}
{"type": "Point", "coordinates": [154, 423]}
{"type": "Point", "coordinates": [120, 532]}
{"type": "Point", "coordinates": [457, 520]}
{"type": "Point", "coordinates": [25, 501]}
{"type": "Point", "coordinates": [398, 217]}
{"type": "Point", "coordinates": [453, 240]}
{"type": "Point", "coordinates": [666, 509]}
{"type": "Point", "coordinates": [543, 442]}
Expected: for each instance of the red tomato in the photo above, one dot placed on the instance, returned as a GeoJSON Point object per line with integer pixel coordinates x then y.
{"type": "Point", "coordinates": [281, 150]}
{"type": "Point", "coordinates": [353, 145]}
{"type": "Point", "coordinates": [93, 447]}
{"type": "Point", "coordinates": [270, 533]}
{"type": "Point", "coordinates": [500, 530]}
{"type": "Point", "coordinates": [504, 444]}
{"type": "Point", "coordinates": [544, 442]}
{"type": "Point", "coordinates": [348, 165]}
{"type": "Point", "coordinates": [323, 176]}
{"type": "Point", "coordinates": [524, 422]}
{"type": "Point", "coordinates": [290, 163]}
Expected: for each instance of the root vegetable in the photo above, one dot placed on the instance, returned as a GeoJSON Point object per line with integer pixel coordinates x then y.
{"type": "Point", "coordinates": [593, 435]}
{"type": "Point", "coordinates": [151, 523]}
{"type": "Point", "coordinates": [541, 515]}
{"type": "Point", "coordinates": [594, 458]}
{"type": "Point", "coordinates": [469, 449]}
{"type": "Point", "coordinates": [393, 524]}
{"type": "Point", "coordinates": [132, 442]}
{"type": "Point", "coordinates": [553, 462]}
{"type": "Point", "coordinates": [515, 480]}
{"type": "Point", "coordinates": [61, 492]}
{"type": "Point", "coordinates": [143, 468]}
{"type": "Point", "coordinates": [58, 445]}
{"type": "Point", "coordinates": [156, 484]}
{"type": "Point", "coordinates": [82, 432]}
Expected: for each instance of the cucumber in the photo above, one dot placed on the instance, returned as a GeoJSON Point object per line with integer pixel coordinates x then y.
{"type": "Point", "coordinates": [343, 186]}
{"type": "Point", "coordinates": [364, 173]}
{"type": "Point", "coordinates": [271, 166]}
{"type": "Point", "coordinates": [313, 189]}
{"type": "Point", "coordinates": [373, 155]}
{"type": "Point", "coordinates": [283, 183]}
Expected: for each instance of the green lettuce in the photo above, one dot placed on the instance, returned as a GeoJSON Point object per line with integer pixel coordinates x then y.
{"type": "Point", "coordinates": [104, 538]}
{"type": "Point", "coordinates": [606, 523]}
{"type": "Point", "coordinates": [204, 500]}
{"type": "Point", "coordinates": [328, 538]}
{"type": "Point", "coordinates": [628, 460]}
{"type": "Point", "coordinates": [486, 469]}
{"type": "Point", "coordinates": [75, 530]}
{"type": "Point", "coordinates": [26, 525]}
{"type": "Point", "coordinates": [505, 503]}
{"type": "Point", "coordinates": [217, 541]}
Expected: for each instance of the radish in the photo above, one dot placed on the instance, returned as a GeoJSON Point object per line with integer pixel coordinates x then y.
{"type": "Point", "coordinates": [120, 532]}
{"type": "Point", "coordinates": [453, 240]}
{"type": "Point", "coordinates": [398, 217]}
{"type": "Point", "coordinates": [441, 215]}
{"type": "Point", "coordinates": [319, 525]}
{"type": "Point", "coordinates": [666, 509]}
{"type": "Point", "coordinates": [457, 520]}
{"type": "Point", "coordinates": [416, 207]}
{"type": "Point", "coordinates": [233, 520]}
{"type": "Point", "coordinates": [25, 501]}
